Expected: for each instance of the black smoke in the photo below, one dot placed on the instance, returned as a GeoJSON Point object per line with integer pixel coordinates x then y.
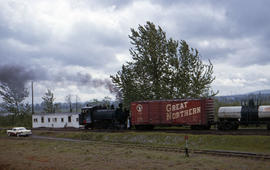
{"type": "Point", "coordinates": [88, 80]}
{"type": "Point", "coordinates": [16, 76]}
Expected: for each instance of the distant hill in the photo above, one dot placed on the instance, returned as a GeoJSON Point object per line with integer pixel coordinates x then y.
{"type": "Point", "coordinates": [260, 95]}
{"type": "Point", "coordinates": [266, 91]}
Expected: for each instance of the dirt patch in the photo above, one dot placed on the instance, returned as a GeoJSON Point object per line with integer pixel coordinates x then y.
{"type": "Point", "coordinates": [29, 153]}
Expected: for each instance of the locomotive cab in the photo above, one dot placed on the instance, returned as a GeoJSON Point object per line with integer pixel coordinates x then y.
{"type": "Point", "coordinates": [85, 118]}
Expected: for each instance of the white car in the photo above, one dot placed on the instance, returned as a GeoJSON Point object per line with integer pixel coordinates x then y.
{"type": "Point", "coordinates": [19, 131]}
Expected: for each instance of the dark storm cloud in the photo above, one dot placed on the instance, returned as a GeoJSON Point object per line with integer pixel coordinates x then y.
{"type": "Point", "coordinates": [16, 76]}
{"type": "Point", "coordinates": [242, 23]}
{"type": "Point", "coordinates": [92, 45]}
{"type": "Point", "coordinates": [87, 44]}
{"type": "Point", "coordinates": [251, 16]}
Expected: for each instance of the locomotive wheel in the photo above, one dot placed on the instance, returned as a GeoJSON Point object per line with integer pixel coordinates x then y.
{"type": "Point", "coordinates": [86, 127]}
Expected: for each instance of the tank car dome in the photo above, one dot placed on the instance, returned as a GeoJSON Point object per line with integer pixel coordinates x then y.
{"type": "Point", "coordinates": [230, 112]}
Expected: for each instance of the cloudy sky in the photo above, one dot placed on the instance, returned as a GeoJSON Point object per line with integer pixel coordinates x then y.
{"type": "Point", "coordinates": [72, 46]}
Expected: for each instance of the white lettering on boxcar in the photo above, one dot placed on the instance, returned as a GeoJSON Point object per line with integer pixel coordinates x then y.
{"type": "Point", "coordinates": [173, 113]}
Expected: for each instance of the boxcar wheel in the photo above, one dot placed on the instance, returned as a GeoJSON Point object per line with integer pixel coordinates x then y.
{"type": "Point", "coordinates": [138, 127]}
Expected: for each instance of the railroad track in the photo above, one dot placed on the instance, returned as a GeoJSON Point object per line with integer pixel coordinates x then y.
{"type": "Point", "coordinates": [168, 149]}
{"type": "Point", "coordinates": [208, 152]}
{"type": "Point", "coordinates": [262, 132]}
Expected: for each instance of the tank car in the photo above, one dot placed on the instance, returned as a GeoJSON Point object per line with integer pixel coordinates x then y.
{"type": "Point", "coordinates": [102, 118]}
{"type": "Point", "coordinates": [230, 117]}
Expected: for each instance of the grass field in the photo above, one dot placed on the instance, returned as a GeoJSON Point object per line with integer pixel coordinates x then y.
{"type": "Point", "coordinates": [258, 144]}
{"type": "Point", "coordinates": [30, 153]}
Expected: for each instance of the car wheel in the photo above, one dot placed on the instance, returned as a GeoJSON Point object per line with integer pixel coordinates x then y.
{"type": "Point", "coordinates": [8, 134]}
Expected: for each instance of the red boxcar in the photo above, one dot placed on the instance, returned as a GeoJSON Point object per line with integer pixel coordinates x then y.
{"type": "Point", "coordinates": [198, 113]}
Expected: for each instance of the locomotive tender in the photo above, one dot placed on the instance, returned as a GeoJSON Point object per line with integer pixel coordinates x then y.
{"type": "Point", "coordinates": [230, 117]}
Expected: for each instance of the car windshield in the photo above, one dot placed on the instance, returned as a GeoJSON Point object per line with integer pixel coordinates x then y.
{"type": "Point", "coordinates": [21, 128]}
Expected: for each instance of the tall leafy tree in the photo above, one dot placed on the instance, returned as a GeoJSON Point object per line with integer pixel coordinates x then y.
{"type": "Point", "coordinates": [192, 78]}
{"type": "Point", "coordinates": [48, 100]}
{"type": "Point", "coordinates": [151, 53]}
{"type": "Point", "coordinates": [162, 68]}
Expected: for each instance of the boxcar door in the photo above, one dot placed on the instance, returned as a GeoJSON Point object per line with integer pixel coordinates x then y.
{"type": "Point", "coordinates": [154, 113]}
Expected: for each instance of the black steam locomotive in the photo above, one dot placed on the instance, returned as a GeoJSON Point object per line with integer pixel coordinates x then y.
{"type": "Point", "coordinates": [98, 117]}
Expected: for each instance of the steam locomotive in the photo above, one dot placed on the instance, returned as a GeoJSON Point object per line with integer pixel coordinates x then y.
{"type": "Point", "coordinates": [103, 118]}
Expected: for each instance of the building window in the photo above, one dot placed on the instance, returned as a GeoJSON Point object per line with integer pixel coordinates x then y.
{"type": "Point", "coordinates": [49, 119]}
{"type": "Point", "coordinates": [42, 119]}
{"type": "Point", "coordinates": [35, 120]}
{"type": "Point", "coordinates": [69, 119]}
{"type": "Point", "coordinates": [62, 119]}
{"type": "Point", "coordinates": [77, 119]}
{"type": "Point", "coordinates": [55, 119]}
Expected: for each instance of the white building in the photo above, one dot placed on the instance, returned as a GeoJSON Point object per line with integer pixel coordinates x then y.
{"type": "Point", "coordinates": [56, 120]}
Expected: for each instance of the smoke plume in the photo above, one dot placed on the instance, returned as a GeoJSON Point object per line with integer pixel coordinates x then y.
{"type": "Point", "coordinates": [87, 79]}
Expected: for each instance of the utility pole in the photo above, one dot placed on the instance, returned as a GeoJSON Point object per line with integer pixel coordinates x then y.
{"type": "Point", "coordinates": [76, 103]}
{"type": "Point", "coordinates": [32, 98]}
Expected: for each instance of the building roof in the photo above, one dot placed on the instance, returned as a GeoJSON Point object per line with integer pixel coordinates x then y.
{"type": "Point", "coordinates": [54, 114]}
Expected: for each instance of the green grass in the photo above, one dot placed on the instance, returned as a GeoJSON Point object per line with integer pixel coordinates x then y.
{"type": "Point", "coordinates": [27, 153]}
{"type": "Point", "coordinates": [245, 143]}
